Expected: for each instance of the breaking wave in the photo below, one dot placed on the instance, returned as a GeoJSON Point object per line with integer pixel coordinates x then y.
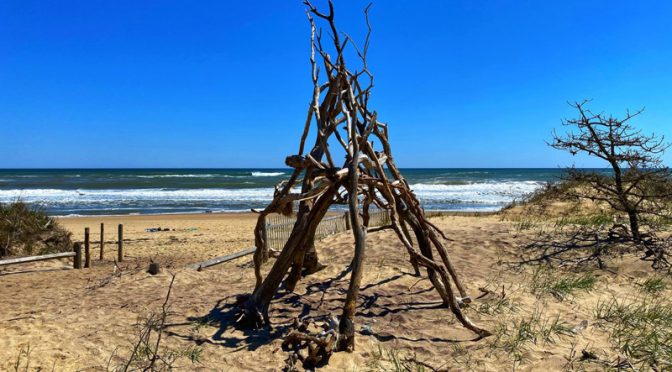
{"type": "Point", "coordinates": [469, 196]}
{"type": "Point", "coordinates": [267, 174]}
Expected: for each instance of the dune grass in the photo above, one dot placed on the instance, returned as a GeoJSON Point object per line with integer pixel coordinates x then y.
{"type": "Point", "coordinates": [598, 219]}
{"type": "Point", "coordinates": [28, 230]}
{"type": "Point", "coordinates": [641, 329]}
{"type": "Point", "coordinates": [515, 336]}
{"type": "Point", "coordinates": [546, 280]}
{"type": "Point", "coordinates": [654, 284]}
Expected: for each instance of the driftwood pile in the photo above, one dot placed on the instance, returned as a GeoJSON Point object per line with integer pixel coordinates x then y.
{"type": "Point", "coordinates": [311, 343]}
{"type": "Point", "coordinates": [367, 178]}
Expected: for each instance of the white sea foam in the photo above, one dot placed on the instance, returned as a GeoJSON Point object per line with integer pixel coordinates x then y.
{"type": "Point", "coordinates": [483, 196]}
{"type": "Point", "coordinates": [475, 193]}
{"type": "Point", "coordinates": [267, 174]}
{"type": "Point", "coordinates": [59, 196]}
{"type": "Point", "coordinates": [479, 193]}
{"type": "Point", "coordinates": [178, 176]}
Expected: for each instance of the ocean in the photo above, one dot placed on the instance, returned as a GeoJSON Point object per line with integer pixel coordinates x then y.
{"type": "Point", "coordinates": [74, 192]}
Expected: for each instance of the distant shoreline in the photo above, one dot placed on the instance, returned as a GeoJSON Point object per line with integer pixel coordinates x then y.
{"type": "Point", "coordinates": [201, 215]}
{"type": "Point", "coordinates": [168, 191]}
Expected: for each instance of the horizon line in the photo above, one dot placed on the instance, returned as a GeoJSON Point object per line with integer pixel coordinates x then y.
{"type": "Point", "coordinates": [265, 168]}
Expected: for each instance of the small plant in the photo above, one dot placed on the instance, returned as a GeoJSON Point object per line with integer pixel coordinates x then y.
{"type": "Point", "coordinates": [654, 285]}
{"type": "Point", "coordinates": [575, 360]}
{"type": "Point", "coordinates": [569, 285]}
{"type": "Point", "coordinates": [498, 306]}
{"type": "Point", "coordinates": [148, 354]}
{"type": "Point", "coordinates": [641, 329]}
{"type": "Point", "coordinates": [552, 327]}
{"type": "Point", "coordinates": [524, 225]}
{"type": "Point", "coordinates": [393, 361]}
{"type": "Point", "coordinates": [660, 222]}
{"type": "Point", "coordinates": [547, 281]}
{"type": "Point", "coordinates": [589, 220]}
{"type": "Point", "coordinates": [201, 323]}
{"type": "Point", "coordinates": [22, 362]}
{"type": "Point", "coordinates": [376, 357]}
{"type": "Point", "coordinates": [463, 357]}
{"type": "Point", "coordinates": [526, 330]}
{"type": "Point", "coordinates": [193, 353]}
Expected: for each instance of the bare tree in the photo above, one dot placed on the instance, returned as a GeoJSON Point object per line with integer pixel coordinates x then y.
{"type": "Point", "coordinates": [634, 185]}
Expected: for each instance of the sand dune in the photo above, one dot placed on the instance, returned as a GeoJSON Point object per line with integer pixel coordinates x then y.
{"type": "Point", "coordinates": [86, 319]}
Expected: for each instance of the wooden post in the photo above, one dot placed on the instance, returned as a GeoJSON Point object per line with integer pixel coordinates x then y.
{"type": "Point", "coordinates": [347, 220]}
{"type": "Point", "coordinates": [102, 240]}
{"type": "Point", "coordinates": [77, 261]}
{"type": "Point", "coordinates": [264, 234]}
{"type": "Point", "coordinates": [87, 249]}
{"type": "Point", "coordinates": [154, 268]}
{"type": "Point", "coordinates": [120, 250]}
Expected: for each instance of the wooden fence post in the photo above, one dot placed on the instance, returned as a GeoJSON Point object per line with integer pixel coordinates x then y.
{"type": "Point", "coordinates": [102, 240]}
{"type": "Point", "coordinates": [77, 261]}
{"type": "Point", "coordinates": [264, 234]}
{"type": "Point", "coordinates": [87, 249]}
{"type": "Point", "coordinates": [120, 250]}
{"type": "Point", "coordinates": [347, 220]}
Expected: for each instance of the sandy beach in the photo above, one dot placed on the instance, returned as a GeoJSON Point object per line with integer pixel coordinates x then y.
{"type": "Point", "coordinates": [443, 186]}
{"type": "Point", "coordinates": [87, 319]}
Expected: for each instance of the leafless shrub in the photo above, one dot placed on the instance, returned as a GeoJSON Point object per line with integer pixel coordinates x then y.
{"type": "Point", "coordinates": [638, 182]}
{"type": "Point", "coordinates": [148, 354]}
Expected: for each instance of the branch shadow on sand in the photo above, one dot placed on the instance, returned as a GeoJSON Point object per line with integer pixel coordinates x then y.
{"type": "Point", "coordinates": [289, 306]}
{"type": "Point", "coordinates": [593, 246]}
{"type": "Point", "coordinates": [573, 248]}
{"type": "Point", "coordinates": [285, 305]}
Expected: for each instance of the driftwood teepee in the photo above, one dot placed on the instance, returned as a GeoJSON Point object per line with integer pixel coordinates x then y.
{"type": "Point", "coordinates": [367, 177]}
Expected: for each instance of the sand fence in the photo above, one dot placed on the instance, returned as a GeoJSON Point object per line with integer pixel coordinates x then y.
{"type": "Point", "coordinates": [278, 228]}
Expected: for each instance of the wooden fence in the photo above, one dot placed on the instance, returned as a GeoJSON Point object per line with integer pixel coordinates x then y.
{"type": "Point", "coordinates": [279, 227]}
{"type": "Point", "coordinates": [76, 254]}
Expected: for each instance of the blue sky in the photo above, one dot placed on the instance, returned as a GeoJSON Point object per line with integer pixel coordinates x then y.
{"type": "Point", "coordinates": [226, 84]}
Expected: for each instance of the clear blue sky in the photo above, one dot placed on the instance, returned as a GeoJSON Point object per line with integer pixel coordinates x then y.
{"type": "Point", "coordinates": [226, 83]}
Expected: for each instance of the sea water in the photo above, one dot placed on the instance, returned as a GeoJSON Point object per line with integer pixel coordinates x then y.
{"type": "Point", "coordinates": [66, 192]}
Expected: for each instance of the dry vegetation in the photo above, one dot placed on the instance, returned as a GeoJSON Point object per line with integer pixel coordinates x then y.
{"type": "Point", "coordinates": [26, 230]}
{"type": "Point", "coordinates": [575, 241]}
{"type": "Point", "coordinates": [572, 230]}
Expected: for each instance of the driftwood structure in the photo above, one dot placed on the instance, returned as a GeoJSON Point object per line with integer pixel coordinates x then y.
{"type": "Point", "coordinates": [349, 163]}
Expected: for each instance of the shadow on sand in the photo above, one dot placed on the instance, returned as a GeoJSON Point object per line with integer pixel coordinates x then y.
{"type": "Point", "coordinates": [288, 306]}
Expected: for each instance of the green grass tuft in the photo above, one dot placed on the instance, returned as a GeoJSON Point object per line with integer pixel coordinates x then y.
{"type": "Point", "coordinates": [589, 220]}
{"type": "Point", "coordinates": [654, 285]}
{"type": "Point", "coordinates": [545, 280]}
{"type": "Point", "coordinates": [640, 329]}
{"type": "Point", "coordinates": [514, 337]}
{"type": "Point", "coordinates": [499, 306]}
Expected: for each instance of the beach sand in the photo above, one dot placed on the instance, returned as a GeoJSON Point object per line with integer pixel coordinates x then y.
{"type": "Point", "coordinates": [87, 319]}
